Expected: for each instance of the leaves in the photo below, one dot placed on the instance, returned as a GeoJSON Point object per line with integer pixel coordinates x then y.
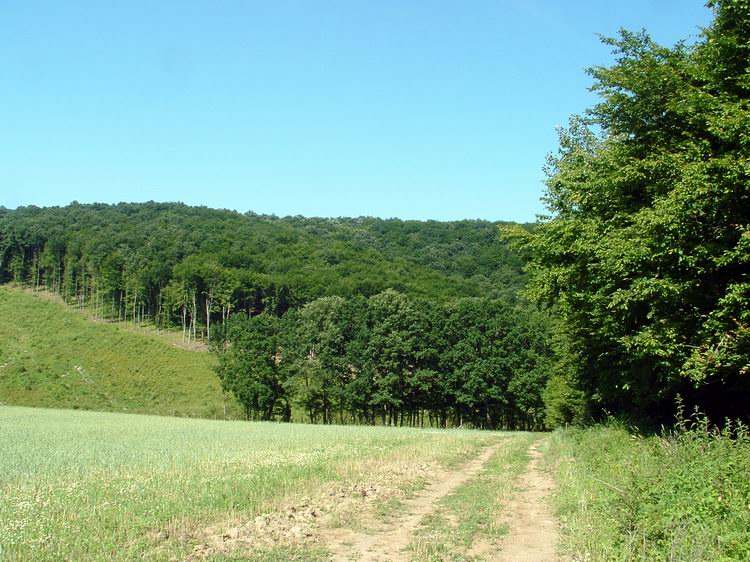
{"type": "Point", "coordinates": [646, 252]}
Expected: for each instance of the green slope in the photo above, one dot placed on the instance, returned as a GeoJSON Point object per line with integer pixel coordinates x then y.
{"type": "Point", "coordinates": [52, 356]}
{"type": "Point", "coordinates": [311, 257]}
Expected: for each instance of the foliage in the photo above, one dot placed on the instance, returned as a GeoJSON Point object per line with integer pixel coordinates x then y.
{"type": "Point", "coordinates": [565, 404]}
{"type": "Point", "coordinates": [195, 267]}
{"type": "Point", "coordinates": [683, 495]}
{"type": "Point", "coordinates": [316, 348]}
{"type": "Point", "coordinates": [647, 253]}
{"type": "Point", "coordinates": [391, 359]}
{"type": "Point", "coordinates": [249, 366]}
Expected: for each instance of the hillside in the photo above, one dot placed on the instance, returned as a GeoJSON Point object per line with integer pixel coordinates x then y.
{"type": "Point", "coordinates": [203, 271]}
{"type": "Point", "coordinates": [52, 356]}
{"type": "Point", "coordinates": [146, 244]}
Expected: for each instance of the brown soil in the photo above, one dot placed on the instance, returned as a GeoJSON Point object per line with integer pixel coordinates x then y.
{"type": "Point", "coordinates": [342, 518]}
{"type": "Point", "coordinates": [533, 533]}
{"type": "Point", "coordinates": [305, 520]}
{"type": "Point", "coordinates": [386, 542]}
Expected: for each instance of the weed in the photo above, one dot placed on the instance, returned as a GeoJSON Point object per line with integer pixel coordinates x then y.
{"type": "Point", "coordinates": [683, 495]}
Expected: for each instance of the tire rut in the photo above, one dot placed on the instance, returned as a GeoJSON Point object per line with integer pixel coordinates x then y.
{"type": "Point", "coordinates": [387, 542]}
{"type": "Point", "coordinates": [532, 529]}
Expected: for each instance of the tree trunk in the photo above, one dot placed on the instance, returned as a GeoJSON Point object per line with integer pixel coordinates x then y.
{"type": "Point", "coordinates": [208, 318]}
{"type": "Point", "coordinates": [184, 321]}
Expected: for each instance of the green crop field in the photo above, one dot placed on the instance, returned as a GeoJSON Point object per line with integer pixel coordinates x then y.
{"type": "Point", "coordinates": [107, 486]}
{"type": "Point", "coordinates": [53, 356]}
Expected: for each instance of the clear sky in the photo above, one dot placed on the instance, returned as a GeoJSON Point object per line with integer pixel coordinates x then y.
{"type": "Point", "coordinates": [393, 108]}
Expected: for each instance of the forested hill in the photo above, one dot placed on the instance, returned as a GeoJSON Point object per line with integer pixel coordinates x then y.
{"type": "Point", "coordinates": [127, 254]}
{"type": "Point", "coordinates": [348, 319]}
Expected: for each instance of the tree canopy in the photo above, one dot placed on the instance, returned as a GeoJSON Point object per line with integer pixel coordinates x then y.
{"type": "Point", "coordinates": [196, 266]}
{"type": "Point", "coordinates": [391, 359]}
{"type": "Point", "coordinates": [646, 253]}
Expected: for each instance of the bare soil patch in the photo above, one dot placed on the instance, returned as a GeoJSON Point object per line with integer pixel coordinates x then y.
{"type": "Point", "coordinates": [387, 542]}
{"type": "Point", "coordinates": [533, 532]}
{"type": "Point", "coordinates": [308, 520]}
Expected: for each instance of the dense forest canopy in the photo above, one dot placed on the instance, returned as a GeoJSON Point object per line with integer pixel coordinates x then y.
{"type": "Point", "coordinates": [351, 319]}
{"type": "Point", "coordinates": [646, 254]}
{"type": "Point", "coordinates": [391, 359]}
{"type": "Point", "coordinates": [131, 253]}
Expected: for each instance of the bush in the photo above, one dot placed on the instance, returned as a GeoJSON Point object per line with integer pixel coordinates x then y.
{"type": "Point", "coordinates": [683, 495]}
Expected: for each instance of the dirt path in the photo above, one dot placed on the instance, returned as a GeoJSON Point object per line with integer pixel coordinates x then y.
{"type": "Point", "coordinates": [386, 542]}
{"type": "Point", "coordinates": [532, 535]}
{"type": "Point", "coordinates": [532, 532]}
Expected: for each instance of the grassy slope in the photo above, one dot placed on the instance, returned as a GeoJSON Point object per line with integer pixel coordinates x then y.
{"type": "Point", "coordinates": [51, 356]}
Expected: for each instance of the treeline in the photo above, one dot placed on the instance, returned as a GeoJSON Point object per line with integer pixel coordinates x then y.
{"type": "Point", "coordinates": [340, 320]}
{"type": "Point", "coordinates": [647, 251]}
{"type": "Point", "coordinates": [390, 359]}
{"type": "Point", "coordinates": [195, 267]}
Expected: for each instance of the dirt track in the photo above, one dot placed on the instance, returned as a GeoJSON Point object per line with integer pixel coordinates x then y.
{"type": "Point", "coordinates": [532, 528]}
{"type": "Point", "coordinates": [532, 531]}
{"type": "Point", "coordinates": [387, 542]}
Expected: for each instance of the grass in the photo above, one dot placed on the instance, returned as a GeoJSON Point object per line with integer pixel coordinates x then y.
{"type": "Point", "coordinates": [682, 496]}
{"type": "Point", "coordinates": [52, 356]}
{"type": "Point", "coordinates": [470, 517]}
{"type": "Point", "coordinates": [105, 486]}
{"type": "Point", "coordinates": [277, 554]}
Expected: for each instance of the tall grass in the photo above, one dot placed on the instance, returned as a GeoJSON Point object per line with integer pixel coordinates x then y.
{"type": "Point", "coordinates": [102, 486]}
{"type": "Point", "coordinates": [682, 496]}
{"type": "Point", "coordinates": [51, 356]}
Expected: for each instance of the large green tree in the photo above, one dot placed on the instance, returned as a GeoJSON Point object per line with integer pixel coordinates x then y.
{"type": "Point", "coordinates": [647, 250]}
{"type": "Point", "coordinates": [319, 356]}
{"type": "Point", "coordinates": [250, 365]}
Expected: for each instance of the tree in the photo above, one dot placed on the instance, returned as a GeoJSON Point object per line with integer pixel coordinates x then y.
{"type": "Point", "coordinates": [392, 351]}
{"type": "Point", "coordinates": [250, 365]}
{"type": "Point", "coordinates": [219, 286]}
{"type": "Point", "coordinates": [320, 356]}
{"type": "Point", "coordinates": [188, 274]}
{"type": "Point", "coordinates": [647, 250]}
{"type": "Point", "coordinates": [176, 300]}
{"type": "Point", "coordinates": [495, 359]}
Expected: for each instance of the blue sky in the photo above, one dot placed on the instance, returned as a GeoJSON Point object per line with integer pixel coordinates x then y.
{"type": "Point", "coordinates": [393, 108]}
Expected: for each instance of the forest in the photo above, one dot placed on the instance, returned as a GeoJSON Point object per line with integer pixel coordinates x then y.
{"type": "Point", "coordinates": [138, 261]}
{"type": "Point", "coordinates": [347, 320]}
{"type": "Point", "coordinates": [632, 296]}
{"type": "Point", "coordinates": [391, 359]}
